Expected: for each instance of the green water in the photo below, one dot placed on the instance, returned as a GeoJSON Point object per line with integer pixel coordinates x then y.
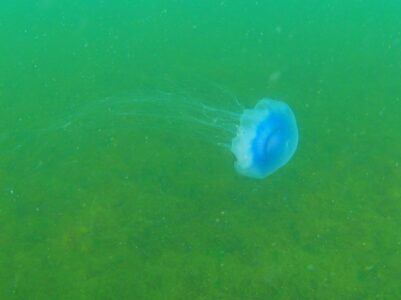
{"type": "Point", "coordinates": [100, 207]}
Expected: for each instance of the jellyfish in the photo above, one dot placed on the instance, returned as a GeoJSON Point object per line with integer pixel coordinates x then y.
{"type": "Point", "coordinates": [261, 139]}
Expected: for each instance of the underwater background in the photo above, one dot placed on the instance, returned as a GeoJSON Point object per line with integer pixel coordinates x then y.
{"type": "Point", "coordinates": [96, 205]}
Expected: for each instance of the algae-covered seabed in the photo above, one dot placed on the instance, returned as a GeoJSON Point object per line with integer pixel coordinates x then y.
{"type": "Point", "coordinates": [97, 207]}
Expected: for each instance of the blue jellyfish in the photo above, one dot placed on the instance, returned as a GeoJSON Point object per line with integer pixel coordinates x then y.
{"type": "Point", "coordinates": [262, 139]}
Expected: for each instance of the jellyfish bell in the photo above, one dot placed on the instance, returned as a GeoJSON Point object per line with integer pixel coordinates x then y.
{"type": "Point", "coordinates": [266, 139]}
